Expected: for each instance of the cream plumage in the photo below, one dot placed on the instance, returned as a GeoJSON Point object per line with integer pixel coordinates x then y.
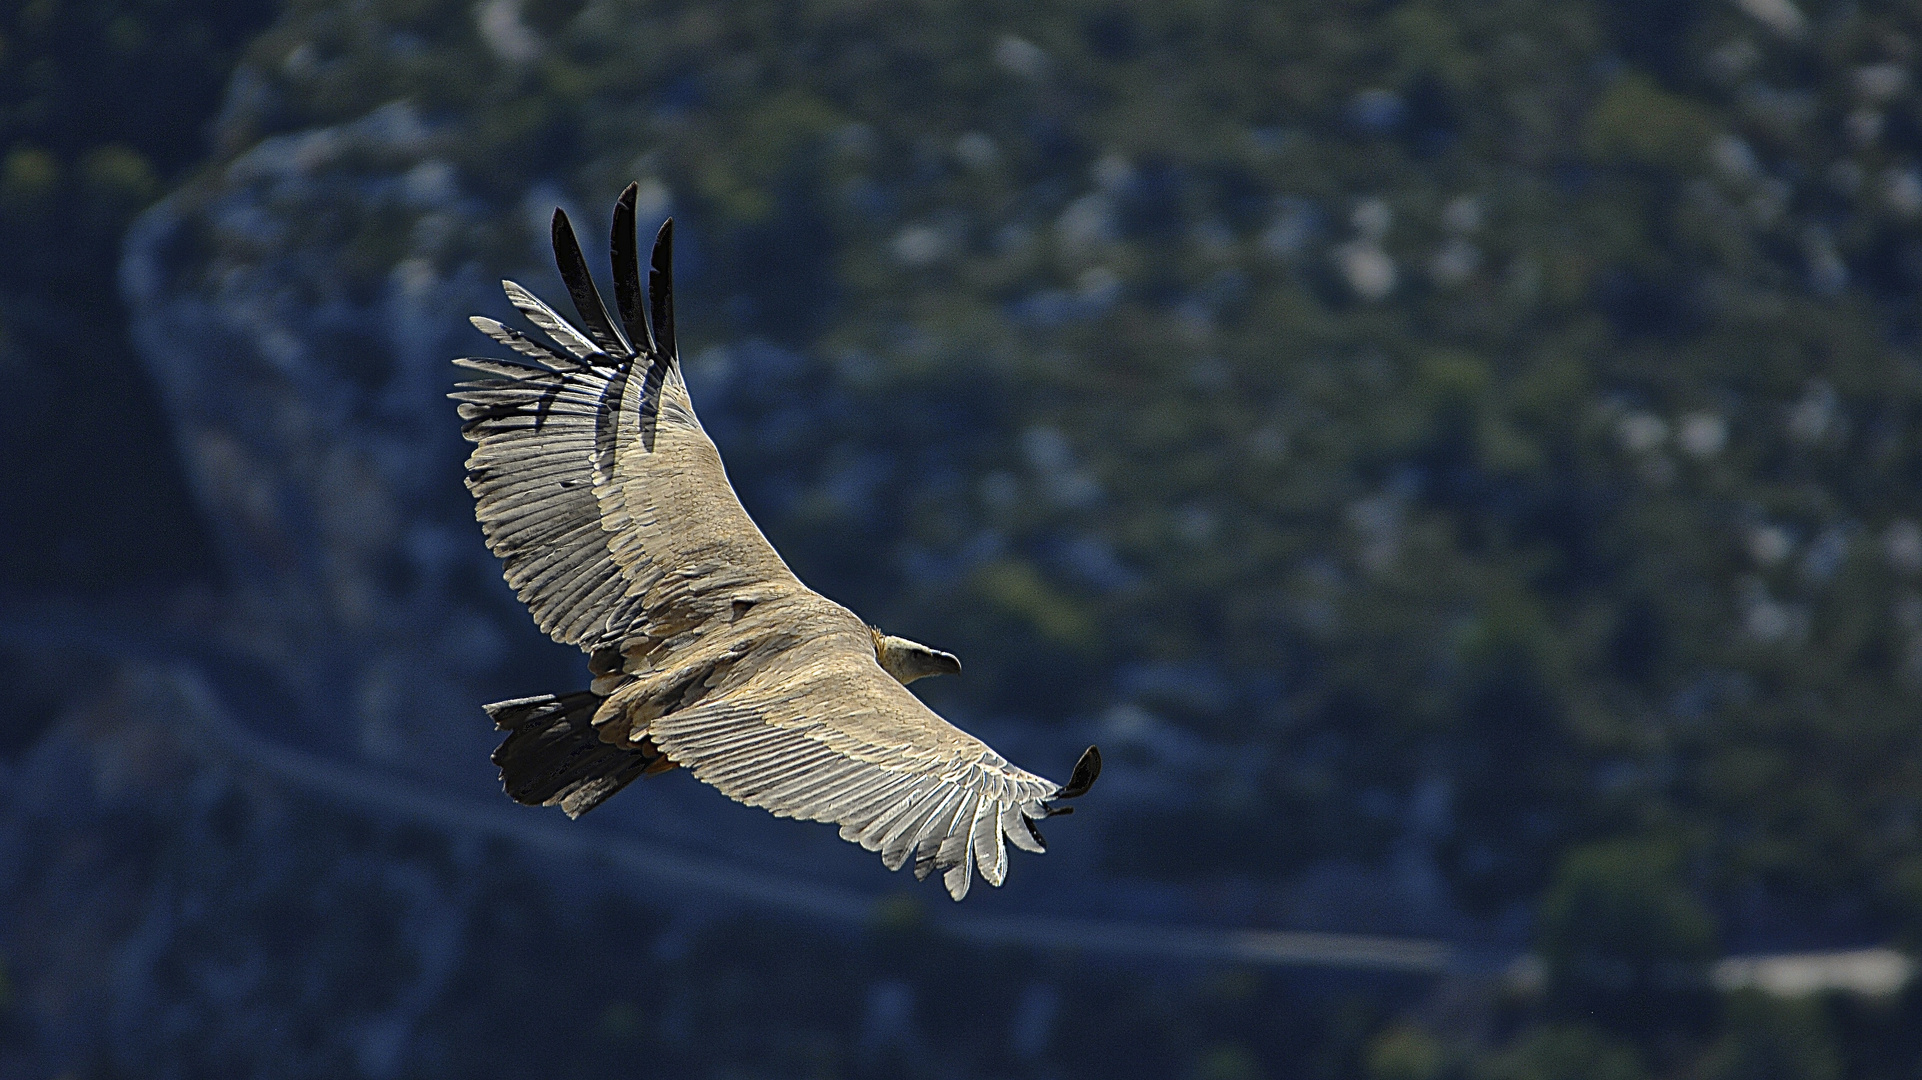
{"type": "Point", "coordinates": [617, 526]}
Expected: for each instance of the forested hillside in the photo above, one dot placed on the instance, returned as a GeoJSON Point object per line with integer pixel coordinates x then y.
{"type": "Point", "coordinates": [1460, 461]}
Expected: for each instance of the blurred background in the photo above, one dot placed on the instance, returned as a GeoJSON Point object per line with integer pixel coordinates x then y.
{"type": "Point", "coordinates": [1458, 458]}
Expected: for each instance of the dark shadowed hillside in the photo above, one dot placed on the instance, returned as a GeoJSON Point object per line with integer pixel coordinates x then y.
{"type": "Point", "coordinates": [1459, 460]}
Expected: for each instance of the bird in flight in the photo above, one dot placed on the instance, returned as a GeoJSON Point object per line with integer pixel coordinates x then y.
{"type": "Point", "coordinates": [608, 505]}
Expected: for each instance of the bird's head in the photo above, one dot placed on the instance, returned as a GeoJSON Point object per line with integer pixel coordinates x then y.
{"type": "Point", "coordinates": [910, 660]}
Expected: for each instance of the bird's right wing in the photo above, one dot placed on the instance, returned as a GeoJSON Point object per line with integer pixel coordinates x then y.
{"type": "Point", "coordinates": [806, 724]}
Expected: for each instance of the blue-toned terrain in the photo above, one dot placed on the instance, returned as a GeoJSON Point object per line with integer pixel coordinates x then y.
{"type": "Point", "coordinates": [1460, 462]}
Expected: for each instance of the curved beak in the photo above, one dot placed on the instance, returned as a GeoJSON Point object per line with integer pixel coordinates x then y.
{"type": "Point", "coordinates": [918, 662]}
{"type": "Point", "coordinates": [910, 660]}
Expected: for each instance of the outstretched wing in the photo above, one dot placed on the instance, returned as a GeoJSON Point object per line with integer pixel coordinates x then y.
{"type": "Point", "coordinates": [537, 432]}
{"type": "Point", "coordinates": [611, 510]}
{"type": "Point", "coordinates": [813, 728]}
{"type": "Point", "coordinates": [587, 560]}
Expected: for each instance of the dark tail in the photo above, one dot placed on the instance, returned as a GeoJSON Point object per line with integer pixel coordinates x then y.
{"type": "Point", "coordinates": [553, 756]}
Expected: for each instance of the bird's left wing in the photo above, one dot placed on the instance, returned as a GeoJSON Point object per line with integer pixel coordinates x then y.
{"type": "Point", "coordinates": [809, 726]}
{"type": "Point", "coordinates": [605, 555]}
{"type": "Point", "coordinates": [542, 429]}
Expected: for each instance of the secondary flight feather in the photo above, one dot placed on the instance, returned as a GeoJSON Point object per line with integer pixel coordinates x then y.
{"type": "Point", "coordinates": [616, 525]}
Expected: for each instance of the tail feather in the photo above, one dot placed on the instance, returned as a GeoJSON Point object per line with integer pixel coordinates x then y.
{"type": "Point", "coordinates": [553, 756]}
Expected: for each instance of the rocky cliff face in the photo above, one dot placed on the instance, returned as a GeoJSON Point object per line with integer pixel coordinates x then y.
{"type": "Point", "coordinates": [298, 309]}
{"type": "Point", "coordinates": [1438, 449]}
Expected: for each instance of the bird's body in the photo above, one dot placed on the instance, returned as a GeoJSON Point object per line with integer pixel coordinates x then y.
{"type": "Point", "coordinates": [610, 508]}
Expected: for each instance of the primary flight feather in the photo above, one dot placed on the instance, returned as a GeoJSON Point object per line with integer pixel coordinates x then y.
{"type": "Point", "coordinates": [613, 517]}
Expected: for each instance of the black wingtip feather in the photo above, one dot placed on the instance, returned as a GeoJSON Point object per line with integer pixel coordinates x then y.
{"type": "Point", "coordinates": [660, 289]}
{"type": "Point", "coordinates": [580, 286]}
{"type": "Point", "coordinates": [1035, 831]}
{"type": "Point", "coordinates": [1085, 772]}
{"type": "Point", "coordinates": [624, 246]}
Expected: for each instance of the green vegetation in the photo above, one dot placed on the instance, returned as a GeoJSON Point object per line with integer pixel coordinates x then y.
{"type": "Point", "coordinates": [1498, 401]}
{"type": "Point", "coordinates": [1472, 393]}
{"type": "Point", "coordinates": [1477, 437]}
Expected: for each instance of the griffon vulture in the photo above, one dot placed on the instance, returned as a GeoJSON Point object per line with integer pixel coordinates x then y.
{"type": "Point", "coordinates": [608, 505]}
